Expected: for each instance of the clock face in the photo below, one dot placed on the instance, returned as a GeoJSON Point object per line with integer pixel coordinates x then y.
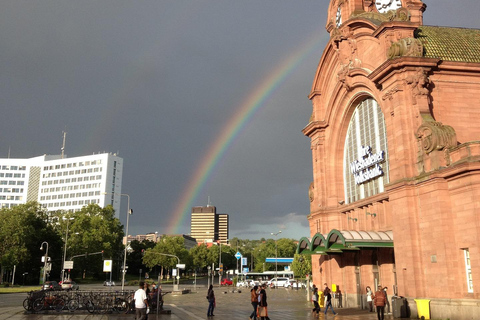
{"type": "Point", "coordinates": [338, 19]}
{"type": "Point", "coordinates": [387, 5]}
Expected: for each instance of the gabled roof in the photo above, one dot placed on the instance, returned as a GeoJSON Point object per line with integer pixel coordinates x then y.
{"type": "Point", "coordinates": [450, 44]}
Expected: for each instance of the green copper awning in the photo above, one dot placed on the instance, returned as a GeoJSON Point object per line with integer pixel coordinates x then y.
{"type": "Point", "coordinates": [339, 241]}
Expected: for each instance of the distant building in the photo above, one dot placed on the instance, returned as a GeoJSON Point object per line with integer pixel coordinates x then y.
{"type": "Point", "coordinates": [208, 226]}
{"type": "Point", "coordinates": [62, 183]}
{"type": "Point", "coordinates": [155, 237]}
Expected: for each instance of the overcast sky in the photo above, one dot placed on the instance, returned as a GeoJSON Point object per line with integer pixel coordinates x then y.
{"type": "Point", "coordinates": [158, 81]}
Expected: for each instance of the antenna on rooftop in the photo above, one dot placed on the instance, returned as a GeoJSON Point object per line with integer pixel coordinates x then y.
{"type": "Point", "coordinates": [63, 145]}
{"type": "Point", "coordinates": [209, 204]}
{"type": "Point", "coordinates": [8, 152]}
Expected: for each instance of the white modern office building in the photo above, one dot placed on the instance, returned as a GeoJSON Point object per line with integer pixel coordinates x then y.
{"type": "Point", "coordinates": [62, 183]}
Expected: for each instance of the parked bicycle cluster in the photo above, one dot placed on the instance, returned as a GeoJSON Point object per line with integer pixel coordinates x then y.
{"type": "Point", "coordinates": [91, 301]}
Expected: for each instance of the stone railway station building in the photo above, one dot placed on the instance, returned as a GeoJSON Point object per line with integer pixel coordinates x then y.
{"type": "Point", "coordinates": [395, 140]}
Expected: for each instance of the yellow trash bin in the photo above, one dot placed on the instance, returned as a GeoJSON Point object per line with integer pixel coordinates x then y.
{"type": "Point", "coordinates": [423, 308]}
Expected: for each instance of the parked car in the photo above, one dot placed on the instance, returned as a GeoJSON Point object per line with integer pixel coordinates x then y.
{"type": "Point", "coordinates": [109, 283]}
{"type": "Point", "coordinates": [51, 285]}
{"type": "Point", "coordinates": [226, 282]}
{"type": "Point", "coordinates": [241, 284]}
{"type": "Point", "coordinates": [295, 284]}
{"type": "Point", "coordinates": [278, 282]}
{"type": "Point", "coordinates": [69, 285]}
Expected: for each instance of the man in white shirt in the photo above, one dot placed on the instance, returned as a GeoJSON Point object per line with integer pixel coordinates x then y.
{"type": "Point", "coordinates": [141, 302]}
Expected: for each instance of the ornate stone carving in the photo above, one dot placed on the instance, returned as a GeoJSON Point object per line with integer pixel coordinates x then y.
{"type": "Point", "coordinates": [390, 93]}
{"type": "Point", "coordinates": [406, 47]}
{"type": "Point", "coordinates": [433, 135]}
{"type": "Point", "coordinates": [418, 82]}
{"type": "Point", "coordinates": [400, 14]}
{"type": "Point", "coordinates": [343, 76]}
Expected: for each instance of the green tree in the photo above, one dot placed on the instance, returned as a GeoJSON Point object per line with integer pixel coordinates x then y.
{"type": "Point", "coordinates": [199, 256]}
{"type": "Point", "coordinates": [163, 252]}
{"type": "Point", "coordinates": [135, 255]}
{"type": "Point", "coordinates": [302, 265]}
{"type": "Point", "coordinates": [22, 230]}
{"type": "Point", "coordinates": [286, 248]}
{"type": "Point", "coordinates": [93, 230]}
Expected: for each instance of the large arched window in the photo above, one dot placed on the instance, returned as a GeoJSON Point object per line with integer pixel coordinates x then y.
{"type": "Point", "coordinates": [365, 161]}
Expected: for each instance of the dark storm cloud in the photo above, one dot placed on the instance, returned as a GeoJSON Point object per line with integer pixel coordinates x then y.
{"type": "Point", "coordinates": [157, 80]}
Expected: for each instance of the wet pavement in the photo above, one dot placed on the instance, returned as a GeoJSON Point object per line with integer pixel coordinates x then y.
{"type": "Point", "coordinates": [283, 304]}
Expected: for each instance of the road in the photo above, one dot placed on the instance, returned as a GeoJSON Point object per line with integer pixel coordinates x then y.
{"type": "Point", "coordinates": [283, 304]}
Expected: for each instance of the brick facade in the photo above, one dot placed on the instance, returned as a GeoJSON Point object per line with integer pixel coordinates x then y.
{"type": "Point", "coordinates": [430, 99]}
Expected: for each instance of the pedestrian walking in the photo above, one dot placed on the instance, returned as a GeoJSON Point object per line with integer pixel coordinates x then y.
{"type": "Point", "coordinates": [141, 302]}
{"type": "Point", "coordinates": [379, 301]}
{"type": "Point", "coordinates": [254, 300]}
{"type": "Point", "coordinates": [387, 303]}
{"type": "Point", "coordinates": [315, 297]}
{"type": "Point", "coordinates": [325, 291]}
{"type": "Point", "coordinates": [263, 306]}
{"type": "Point", "coordinates": [211, 301]}
{"type": "Point", "coordinates": [369, 298]}
{"type": "Point", "coordinates": [329, 303]}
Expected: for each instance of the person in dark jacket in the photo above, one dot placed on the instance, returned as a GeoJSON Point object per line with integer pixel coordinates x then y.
{"type": "Point", "coordinates": [211, 301]}
{"type": "Point", "coordinates": [263, 303]}
{"type": "Point", "coordinates": [315, 297]}
{"type": "Point", "coordinates": [329, 303]}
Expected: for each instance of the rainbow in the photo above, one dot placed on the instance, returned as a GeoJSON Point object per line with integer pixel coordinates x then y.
{"type": "Point", "coordinates": [231, 130]}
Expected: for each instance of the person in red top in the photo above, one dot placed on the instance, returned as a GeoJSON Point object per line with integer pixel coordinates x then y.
{"type": "Point", "coordinates": [379, 301]}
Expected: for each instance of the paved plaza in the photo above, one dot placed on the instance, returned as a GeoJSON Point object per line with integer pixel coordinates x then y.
{"type": "Point", "coordinates": [283, 304]}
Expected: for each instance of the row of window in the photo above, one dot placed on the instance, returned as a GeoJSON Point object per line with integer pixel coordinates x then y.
{"type": "Point", "coordinates": [16, 198]}
{"type": "Point", "coordinates": [13, 167]}
{"type": "Point", "coordinates": [12, 183]}
{"type": "Point", "coordinates": [72, 203]}
{"type": "Point", "coordinates": [69, 188]}
{"type": "Point", "coordinates": [73, 165]}
{"type": "Point", "coordinates": [70, 195]}
{"type": "Point", "coordinates": [11, 190]}
{"type": "Point", "coordinates": [71, 172]}
{"type": "Point", "coordinates": [71, 180]}
{"type": "Point", "coordinates": [12, 175]}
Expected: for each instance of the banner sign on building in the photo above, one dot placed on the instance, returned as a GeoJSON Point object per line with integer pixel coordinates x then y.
{"type": "Point", "coordinates": [367, 166]}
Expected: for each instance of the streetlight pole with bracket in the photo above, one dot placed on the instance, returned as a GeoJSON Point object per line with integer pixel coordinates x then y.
{"type": "Point", "coordinates": [276, 255]}
{"type": "Point", "coordinates": [44, 261]}
{"type": "Point", "coordinates": [65, 249]}
{"type": "Point", "coordinates": [129, 212]}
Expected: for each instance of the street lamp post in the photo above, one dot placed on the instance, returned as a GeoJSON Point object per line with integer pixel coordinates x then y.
{"type": "Point", "coordinates": [44, 261]}
{"type": "Point", "coordinates": [65, 250]}
{"type": "Point", "coordinates": [276, 256]}
{"type": "Point", "coordinates": [129, 212]}
{"type": "Point", "coordinates": [219, 265]}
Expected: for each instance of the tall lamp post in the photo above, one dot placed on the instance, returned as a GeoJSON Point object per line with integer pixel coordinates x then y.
{"type": "Point", "coordinates": [219, 265]}
{"type": "Point", "coordinates": [129, 212]}
{"type": "Point", "coordinates": [44, 261]}
{"type": "Point", "coordinates": [65, 250]}
{"type": "Point", "coordinates": [276, 256]}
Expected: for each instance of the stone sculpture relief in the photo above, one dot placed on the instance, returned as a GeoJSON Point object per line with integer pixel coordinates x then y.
{"type": "Point", "coordinates": [406, 47]}
{"type": "Point", "coordinates": [418, 82]}
{"type": "Point", "coordinates": [433, 135]}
